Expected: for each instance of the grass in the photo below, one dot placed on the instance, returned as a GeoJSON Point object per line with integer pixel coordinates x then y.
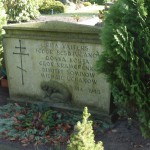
{"type": "Point", "coordinates": [91, 9]}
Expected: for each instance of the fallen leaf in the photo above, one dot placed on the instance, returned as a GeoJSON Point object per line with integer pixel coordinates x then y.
{"type": "Point", "coordinates": [138, 146]}
{"type": "Point", "coordinates": [25, 141]}
{"type": "Point", "coordinates": [31, 137]}
{"type": "Point", "coordinates": [16, 104]}
{"type": "Point", "coordinates": [25, 144]}
{"type": "Point", "coordinates": [12, 139]}
{"type": "Point", "coordinates": [37, 143]}
{"type": "Point", "coordinates": [7, 115]}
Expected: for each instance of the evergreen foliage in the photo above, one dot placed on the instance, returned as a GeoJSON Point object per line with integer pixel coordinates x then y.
{"type": "Point", "coordinates": [126, 58]}
{"type": "Point", "coordinates": [2, 22]}
{"type": "Point", "coordinates": [83, 137]}
{"type": "Point", "coordinates": [21, 10]}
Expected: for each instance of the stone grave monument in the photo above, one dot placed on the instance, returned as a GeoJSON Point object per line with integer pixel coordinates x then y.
{"type": "Point", "coordinates": [54, 62]}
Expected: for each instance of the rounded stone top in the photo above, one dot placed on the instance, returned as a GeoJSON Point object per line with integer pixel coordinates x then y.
{"type": "Point", "coordinates": [54, 26]}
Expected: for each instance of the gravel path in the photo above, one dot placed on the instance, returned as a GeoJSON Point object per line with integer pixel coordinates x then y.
{"type": "Point", "coordinates": [71, 19]}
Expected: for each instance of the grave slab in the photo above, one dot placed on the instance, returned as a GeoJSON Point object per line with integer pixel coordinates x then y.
{"type": "Point", "coordinates": [54, 62]}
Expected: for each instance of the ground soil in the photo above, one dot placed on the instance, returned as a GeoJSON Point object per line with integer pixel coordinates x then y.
{"type": "Point", "coordinates": [120, 137]}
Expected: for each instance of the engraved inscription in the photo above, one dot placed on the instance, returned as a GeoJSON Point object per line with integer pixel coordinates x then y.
{"type": "Point", "coordinates": [69, 62]}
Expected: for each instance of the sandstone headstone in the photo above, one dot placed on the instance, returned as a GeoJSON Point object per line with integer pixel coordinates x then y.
{"type": "Point", "coordinates": [55, 62]}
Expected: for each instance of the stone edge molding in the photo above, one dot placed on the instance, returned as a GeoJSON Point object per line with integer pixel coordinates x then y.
{"type": "Point", "coordinates": [54, 31]}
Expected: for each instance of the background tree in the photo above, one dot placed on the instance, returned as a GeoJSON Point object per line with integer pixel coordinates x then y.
{"type": "Point", "coordinates": [21, 10]}
{"type": "Point", "coordinates": [126, 58]}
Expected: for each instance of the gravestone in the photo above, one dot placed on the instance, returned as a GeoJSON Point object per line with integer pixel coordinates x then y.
{"type": "Point", "coordinates": [54, 62]}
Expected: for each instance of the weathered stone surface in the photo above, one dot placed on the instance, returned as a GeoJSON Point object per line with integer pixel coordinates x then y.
{"type": "Point", "coordinates": [55, 62]}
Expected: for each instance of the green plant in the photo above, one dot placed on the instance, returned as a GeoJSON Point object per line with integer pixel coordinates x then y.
{"type": "Point", "coordinates": [48, 118]}
{"type": "Point", "coordinates": [76, 17]}
{"type": "Point", "coordinates": [83, 136]}
{"type": "Point", "coordinates": [126, 56]}
{"type": "Point", "coordinates": [21, 10]}
{"type": "Point", "coordinates": [38, 124]}
{"type": "Point", "coordinates": [2, 22]}
{"type": "Point", "coordinates": [35, 124]}
{"type": "Point", "coordinates": [52, 6]}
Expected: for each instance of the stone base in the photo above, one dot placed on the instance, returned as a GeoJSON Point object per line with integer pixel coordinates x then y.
{"type": "Point", "coordinates": [99, 114]}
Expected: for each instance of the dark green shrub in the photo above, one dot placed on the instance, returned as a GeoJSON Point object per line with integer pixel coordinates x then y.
{"type": "Point", "coordinates": [2, 22]}
{"type": "Point", "coordinates": [51, 5]}
{"type": "Point", "coordinates": [87, 4]}
{"type": "Point", "coordinates": [21, 10]}
{"type": "Point", "coordinates": [126, 58]}
{"type": "Point", "coordinates": [83, 137]}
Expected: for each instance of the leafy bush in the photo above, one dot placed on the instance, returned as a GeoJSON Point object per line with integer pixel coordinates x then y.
{"type": "Point", "coordinates": [51, 5]}
{"type": "Point", "coordinates": [83, 137]}
{"type": "Point", "coordinates": [21, 10]}
{"type": "Point", "coordinates": [126, 57]}
{"type": "Point", "coordinates": [2, 22]}
{"type": "Point", "coordinates": [87, 4]}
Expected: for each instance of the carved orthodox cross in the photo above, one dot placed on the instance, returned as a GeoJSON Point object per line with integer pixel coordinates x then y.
{"type": "Point", "coordinates": [21, 59]}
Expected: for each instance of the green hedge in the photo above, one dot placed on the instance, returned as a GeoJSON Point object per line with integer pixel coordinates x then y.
{"type": "Point", "coordinates": [49, 5]}
{"type": "Point", "coordinates": [126, 58]}
{"type": "Point", "coordinates": [21, 10]}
